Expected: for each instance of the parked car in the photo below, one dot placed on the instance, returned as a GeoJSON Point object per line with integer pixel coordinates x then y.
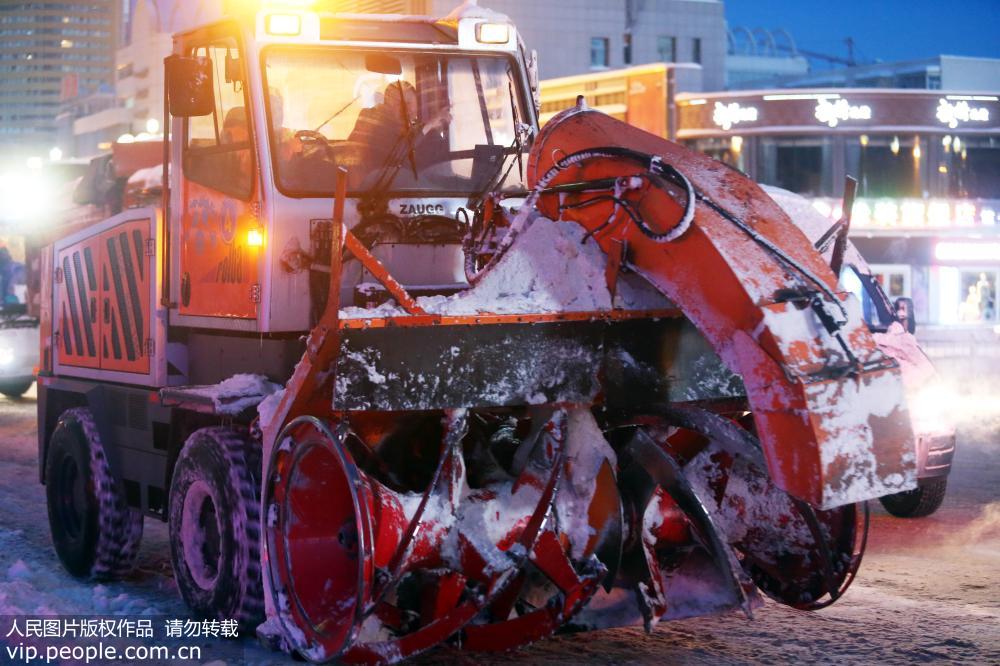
{"type": "Point", "coordinates": [18, 349]}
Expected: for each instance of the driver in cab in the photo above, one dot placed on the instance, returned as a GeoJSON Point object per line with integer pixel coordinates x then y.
{"type": "Point", "coordinates": [386, 132]}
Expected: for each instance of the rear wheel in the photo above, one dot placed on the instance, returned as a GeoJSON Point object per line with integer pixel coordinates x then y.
{"type": "Point", "coordinates": [215, 526]}
{"type": "Point", "coordinates": [15, 389]}
{"type": "Point", "coordinates": [922, 501]}
{"type": "Point", "coordinates": [94, 531]}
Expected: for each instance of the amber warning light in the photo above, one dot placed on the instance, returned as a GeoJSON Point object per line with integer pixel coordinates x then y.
{"type": "Point", "coordinates": [284, 24]}
{"type": "Point", "coordinates": [255, 238]}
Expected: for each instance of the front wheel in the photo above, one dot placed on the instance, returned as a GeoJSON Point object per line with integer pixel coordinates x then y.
{"type": "Point", "coordinates": [920, 502]}
{"type": "Point", "coordinates": [215, 526]}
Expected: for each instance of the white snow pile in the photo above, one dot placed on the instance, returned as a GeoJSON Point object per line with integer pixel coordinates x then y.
{"type": "Point", "coordinates": [30, 585]}
{"type": "Point", "coordinates": [237, 393]}
{"type": "Point", "coordinates": [149, 178]}
{"type": "Point", "coordinates": [471, 9]}
{"type": "Point", "coordinates": [268, 406]}
{"type": "Point", "coordinates": [548, 268]}
{"type": "Point", "coordinates": [587, 451]}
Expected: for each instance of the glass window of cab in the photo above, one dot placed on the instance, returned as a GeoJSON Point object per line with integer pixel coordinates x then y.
{"type": "Point", "coordinates": [403, 121]}
{"type": "Point", "coordinates": [218, 151]}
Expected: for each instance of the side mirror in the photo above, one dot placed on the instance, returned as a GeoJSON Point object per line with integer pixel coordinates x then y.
{"type": "Point", "coordinates": [905, 314]}
{"type": "Point", "coordinates": [189, 86]}
{"type": "Point", "coordinates": [533, 81]}
{"type": "Point", "coordinates": [234, 74]}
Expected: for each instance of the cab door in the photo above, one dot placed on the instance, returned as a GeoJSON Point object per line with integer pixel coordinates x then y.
{"type": "Point", "coordinates": [218, 271]}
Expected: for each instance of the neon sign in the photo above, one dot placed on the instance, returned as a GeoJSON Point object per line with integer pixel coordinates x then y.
{"type": "Point", "coordinates": [727, 115]}
{"type": "Point", "coordinates": [914, 214]}
{"type": "Point", "coordinates": [834, 112]}
{"type": "Point", "coordinates": [953, 113]}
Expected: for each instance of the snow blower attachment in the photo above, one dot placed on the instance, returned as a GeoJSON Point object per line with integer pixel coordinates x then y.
{"type": "Point", "coordinates": [416, 493]}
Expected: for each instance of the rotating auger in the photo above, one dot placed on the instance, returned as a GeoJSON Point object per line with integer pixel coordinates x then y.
{"type": "Point", "coordinates": [496, 518]}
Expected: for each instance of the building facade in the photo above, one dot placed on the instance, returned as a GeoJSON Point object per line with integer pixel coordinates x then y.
{"type": "Point", "coordinates": [942, 72]}
{"type": "Point", "coordinates": [579, 36]}
{"type": "Point", "coordinates": [50, 52]}
{"type": "Point", "coordinates": [928, 166]}
{"type": "Point", "coordinates": [88, 124]}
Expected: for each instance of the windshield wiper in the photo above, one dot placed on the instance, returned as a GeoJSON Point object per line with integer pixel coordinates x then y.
{"type": "Point", "coordinates": [392, 165]}
{"type": "Point", "coordinates": [411, 149]}
{"type": "Point", "coordinates": [521, 133]}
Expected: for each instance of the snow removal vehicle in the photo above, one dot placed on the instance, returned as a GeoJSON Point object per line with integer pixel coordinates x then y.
{"type": "Point", "coordinates": [400, 369]}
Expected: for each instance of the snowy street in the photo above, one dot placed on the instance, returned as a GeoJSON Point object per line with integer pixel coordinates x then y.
{"type": "Point", "coordinates": [927, 589]}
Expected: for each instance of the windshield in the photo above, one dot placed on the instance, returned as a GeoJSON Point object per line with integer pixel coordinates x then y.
{"type": "Point", "coordinates": [444, 123]}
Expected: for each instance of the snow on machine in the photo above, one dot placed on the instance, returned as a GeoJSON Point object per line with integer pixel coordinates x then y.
{"type": "Point", "coordinates": [893, 326]}
{"type": "Point", "coordinates": [400, 369]}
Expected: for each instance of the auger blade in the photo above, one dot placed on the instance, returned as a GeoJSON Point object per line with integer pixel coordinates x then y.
{"type": "Point", "coordinates": [828, 404]}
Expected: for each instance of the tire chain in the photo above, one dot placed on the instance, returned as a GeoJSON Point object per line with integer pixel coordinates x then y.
{"type": "Point", "coordinates": [119, 526]}
{"type": "Point", "coordinates": [241, 456]}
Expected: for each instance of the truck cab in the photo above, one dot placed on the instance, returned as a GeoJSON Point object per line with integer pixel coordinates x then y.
{"type": "Point", "coordinates": [425, 116]}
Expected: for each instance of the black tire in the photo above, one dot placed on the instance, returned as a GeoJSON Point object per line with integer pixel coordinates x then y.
{"type": "Point", "coordinates": [94, 531]}
{"type": "Point", "coordinates": [15, 389]}
{"type": "Point", "coordinates": [922, 501]}
{"type": "Point", "coordinates": [215, 526]}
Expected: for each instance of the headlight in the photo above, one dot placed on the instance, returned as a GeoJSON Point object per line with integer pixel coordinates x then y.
{"type": "Point", "coordinates": [284, 24]}
{"type": "Point", "coordinates": [493, 33]}
{"type": "Point", "coordinates": [933, 408]}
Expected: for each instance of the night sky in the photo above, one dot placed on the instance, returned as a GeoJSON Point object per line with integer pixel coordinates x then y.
{"type": "Point", "coordinates": [886, 30]}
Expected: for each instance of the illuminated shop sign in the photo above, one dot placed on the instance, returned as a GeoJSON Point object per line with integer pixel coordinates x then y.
{"type": "Point", "coordinates": [979, 252]}
{"type": "Point", "coordinates": [833, 112]}
{"type": "Point", "coordinates": [952, 111]}
{"type": "Point", "coordinates": [820, 112]}
{"type": "Point", "coordinates": [914, 214]}
{"type": "Point", "coordinates": [727, 115]}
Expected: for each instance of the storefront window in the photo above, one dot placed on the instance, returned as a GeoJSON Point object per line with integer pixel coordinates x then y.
{"type": "Point", "coordinates": [968, 296]}
{"type": "Point", "coordinates": [973, 168]}
{"type": "Point", "coordinates": [803, 165]}
{"type": "Point", "coordinates": [730, 150]}
{"type": "Point", "coordinates": [979, 289]}
{"type": "Point", "coordinates": [894, 280]}
{"type": "Point", "coordinates": [887, 165]}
